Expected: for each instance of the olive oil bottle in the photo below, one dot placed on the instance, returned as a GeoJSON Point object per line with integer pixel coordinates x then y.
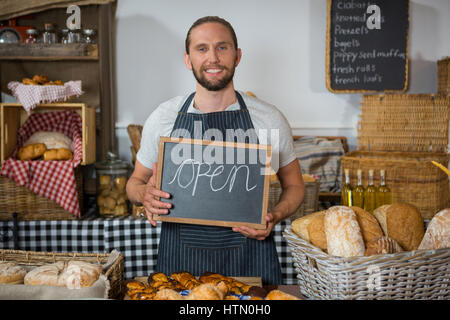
{"type": "Point", "coordinates": [370, 194]}
{"type": "Point", "coordinates": [358, 192]}
{"type": "Point", "coordinates": [384, 195]}
{"type": "Point", "coordinates": [347, 190]}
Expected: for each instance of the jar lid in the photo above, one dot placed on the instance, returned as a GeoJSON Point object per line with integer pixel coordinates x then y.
{"type": "Point", "coordinates": [112, 162]}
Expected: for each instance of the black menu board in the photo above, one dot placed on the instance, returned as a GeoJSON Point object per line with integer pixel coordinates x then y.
{"type": "Point", "coordinates": [367, 45]}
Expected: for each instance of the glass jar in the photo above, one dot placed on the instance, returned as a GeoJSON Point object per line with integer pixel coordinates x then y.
{"type": "Point", "coordinates": [64, 36]}
{"type": "Point", "coordinates": [32, 35]}
{"type": "Point", "coordinates": [74, 36]}
{"type": "Point", "coordinates": [112, 176]}
{"type": "Point", "coordinates": [88, 36]}
{"type": "Point", "coordinates": [49, 34]}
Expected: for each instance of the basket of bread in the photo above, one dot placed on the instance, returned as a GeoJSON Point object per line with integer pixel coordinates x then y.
{"type": "Point", "coordinates": [29, 275]}
{"type": "Point", "coordinates": [349, 253]}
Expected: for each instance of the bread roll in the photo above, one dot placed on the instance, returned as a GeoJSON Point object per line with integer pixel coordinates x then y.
{"type": "Point", "coordinates": [11, 273]}
{"type": "Point", "coordinates": [31, 151]}
{"type": "Point", "coordinates": [370, 228]}
{"type": "Point", "coordinates": [58, 154]}
{"type": "Point", "coordinates": [437, 235]}
{"type": "Point", "coordinates": [316, 232]}
{"type": "Point", "coordinates": [300, 225]}
{"type": "Point", "coordinates": [382, 245]}
{"type": "Point", "coordinates": [403, 223]}
{"type": "Point", "coordinates": [280, 295]}
{"type": "Point", "coordinates": [343, 233]}
{"type": "Point", "coordinates": [52, 140]}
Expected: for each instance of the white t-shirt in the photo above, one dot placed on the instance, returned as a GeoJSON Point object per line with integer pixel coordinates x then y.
{"type": "Point", "coordinates": [271, 127]}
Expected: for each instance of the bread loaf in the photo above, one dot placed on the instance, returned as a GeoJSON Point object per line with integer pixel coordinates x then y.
{"type": "Point", "coordinates": [300, 225]}
{"type": "Point", "coordinates": [370, 228]}
{"type": "Point", "coordinates": [280, 295]}
{"type": "Point", "coordinates": [437, 235]}
{"type": "Point", "coordinates": [11, 273]}
{"type": "Point", "coordinates": [72, 274]}
{"type": "Point", "coordinates": [316, 232]}
{"type": "Point", "coordinates": [382, 245]}
{"type": "Point", "coordinates": [58, 154]}
{"type": "Point", "coordinates": [403, 223]}
{"type": "Point", "coordinates": [343, 233]}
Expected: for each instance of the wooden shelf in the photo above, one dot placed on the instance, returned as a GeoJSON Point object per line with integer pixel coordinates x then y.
{"type": "Point", "coordinates": [49, 52]}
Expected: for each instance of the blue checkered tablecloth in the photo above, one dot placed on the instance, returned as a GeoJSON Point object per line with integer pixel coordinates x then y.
{"type": "Point", "coordinates": [135, 238]}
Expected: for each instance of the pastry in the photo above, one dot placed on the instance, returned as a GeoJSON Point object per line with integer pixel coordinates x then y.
{"type": "Point", "coordinates": [280, 295]}
{"type": "Point", "coordinates": [29, 81]}
{"type": "Point", "coordinates": [40, 79]}
{"type": "Point", "coordinates": [437, 235]}
{"type": "Point", "coordinates": [382, 245]}
{"type": "Point", "coordinates": [31, 151]}
{"type": "Point", "coordinates": [11, 273]}
{"type": "Point", "coordinates": [168, 294]}
{"type": "Point", "coordinates": [370, 228]}
{"type": "Point", "coordinates": [343, 233]}
{"type": "Point", "coordinates": [58, 154]}
{"type": "Point", "coordinates": [403, 223]}
{"type": "Point", "coordinates": [205, 291]}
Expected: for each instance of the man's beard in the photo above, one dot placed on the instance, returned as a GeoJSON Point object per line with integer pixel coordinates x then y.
{"type": "Point", "coordinates": [213, 86]}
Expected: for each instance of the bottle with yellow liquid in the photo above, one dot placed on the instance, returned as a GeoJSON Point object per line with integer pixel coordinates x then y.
{"type": "Point", "coordinates": [359, 191]}
{"type": "Point", "coordinates": [347, 190]}
{"type": "Point", "coordinates": [384, 195]}
{"type": "Point", "coordinates": [370, 194]}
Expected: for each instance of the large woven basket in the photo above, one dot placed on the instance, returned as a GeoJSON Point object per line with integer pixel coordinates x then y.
{"type": "Point", "coordinates": [413, 275]}
{"type": "Point", "coordinates": [309, 205]}
{"type": "Point", "coordinates": [404, 122]}
{"type": "Point", "coordinates": [411, 176]}
{"type": "Point", "coordinates": [31, 206]}
{"type": "Point", "coordinates": [443, 67]}
{"type": "Point", "coordinates": [31, 258]}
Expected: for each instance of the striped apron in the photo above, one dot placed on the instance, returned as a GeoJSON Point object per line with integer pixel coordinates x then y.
{"type": "Point", "coordinates": [198, 248]}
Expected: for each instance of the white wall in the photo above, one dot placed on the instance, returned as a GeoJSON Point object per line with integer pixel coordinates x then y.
{"type": "Point", "coordinates": [283, 44]}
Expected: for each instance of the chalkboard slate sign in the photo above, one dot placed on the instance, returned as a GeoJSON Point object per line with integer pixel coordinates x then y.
{"type": "Point", "coordinates": [367, 46]}
{"type": "Point", "coordinates": [214, 182]}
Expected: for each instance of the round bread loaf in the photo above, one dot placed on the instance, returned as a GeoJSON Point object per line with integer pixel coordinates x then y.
{"type": "Point", "coordinates": [11, 273]}
{"type": "Point", "coordinates": [403, 223]}
{"type": "Point", "coordinates": [343, 233]}
{"type": "Point", "coordinates": [47, 275]}
{"type": "Point", "coordinates": [437, 235]}
{"type": "Point", "coordinates": [52, 140]}
{"type": "Point", "coordinates": [370, 228]}
{"type": "Point", "coordinates": [300, 225]}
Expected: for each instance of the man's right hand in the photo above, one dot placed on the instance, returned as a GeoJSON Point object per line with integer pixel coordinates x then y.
{"type": "Point", "coordinates": [151, 204]}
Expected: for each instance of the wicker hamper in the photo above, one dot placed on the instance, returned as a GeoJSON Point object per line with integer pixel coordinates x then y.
{"type": "Point", "coordinates": [114, 273]}
{"type": "Point", "coordinates": [411, 176]}
{"type": "Point", "coordinates": [31, 206]}
{"type": "Point", "coordinates": [310, 203]}
{"type": "Point", "coordinates": [404, 122]}
{"type": "Point", "coordinates": [413, 275]}
{"type": "Point", "coordinates": [443, 67]}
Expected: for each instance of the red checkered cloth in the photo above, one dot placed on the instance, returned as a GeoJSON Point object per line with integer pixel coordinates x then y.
{"type": "Point", "coordinates": [54, 180]}
{"type": "Point", "coordinates": [31, 95]}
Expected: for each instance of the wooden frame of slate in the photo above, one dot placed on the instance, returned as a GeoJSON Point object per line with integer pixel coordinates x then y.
{"type": "Point", "coordinates": [214, 182]}
{"type": "Point", "coordinates": [367, 47]}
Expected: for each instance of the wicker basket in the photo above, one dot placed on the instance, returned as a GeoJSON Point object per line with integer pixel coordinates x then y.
{"type": "Point", "coordinates": [413, 275]}
{"type": "Point", "coordinates": [114, 273]}
{"type": "Point", "coordinates": [443, 67]}
{"type": "Point", "coordinates": [404, 122]}
{"type": "Point", "coordinates": [31, 206]}
{"type": "Point", "coordinates": [411, 176]}
{"type": "Point", "coordinates": [310, 203]}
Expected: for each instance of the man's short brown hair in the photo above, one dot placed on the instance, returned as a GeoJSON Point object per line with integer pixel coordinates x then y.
{"type": "Point", "coordinates": [207, 19]}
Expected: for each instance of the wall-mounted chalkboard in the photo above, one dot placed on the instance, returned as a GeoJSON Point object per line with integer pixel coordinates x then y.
{"type": "Point", "coordinates": [367, 46]}
{"type": "Point", "coordinates": [214, 182]}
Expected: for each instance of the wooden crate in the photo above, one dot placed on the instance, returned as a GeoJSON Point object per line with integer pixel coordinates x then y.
{"type": "Point", "coordinates": [13, 116]}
